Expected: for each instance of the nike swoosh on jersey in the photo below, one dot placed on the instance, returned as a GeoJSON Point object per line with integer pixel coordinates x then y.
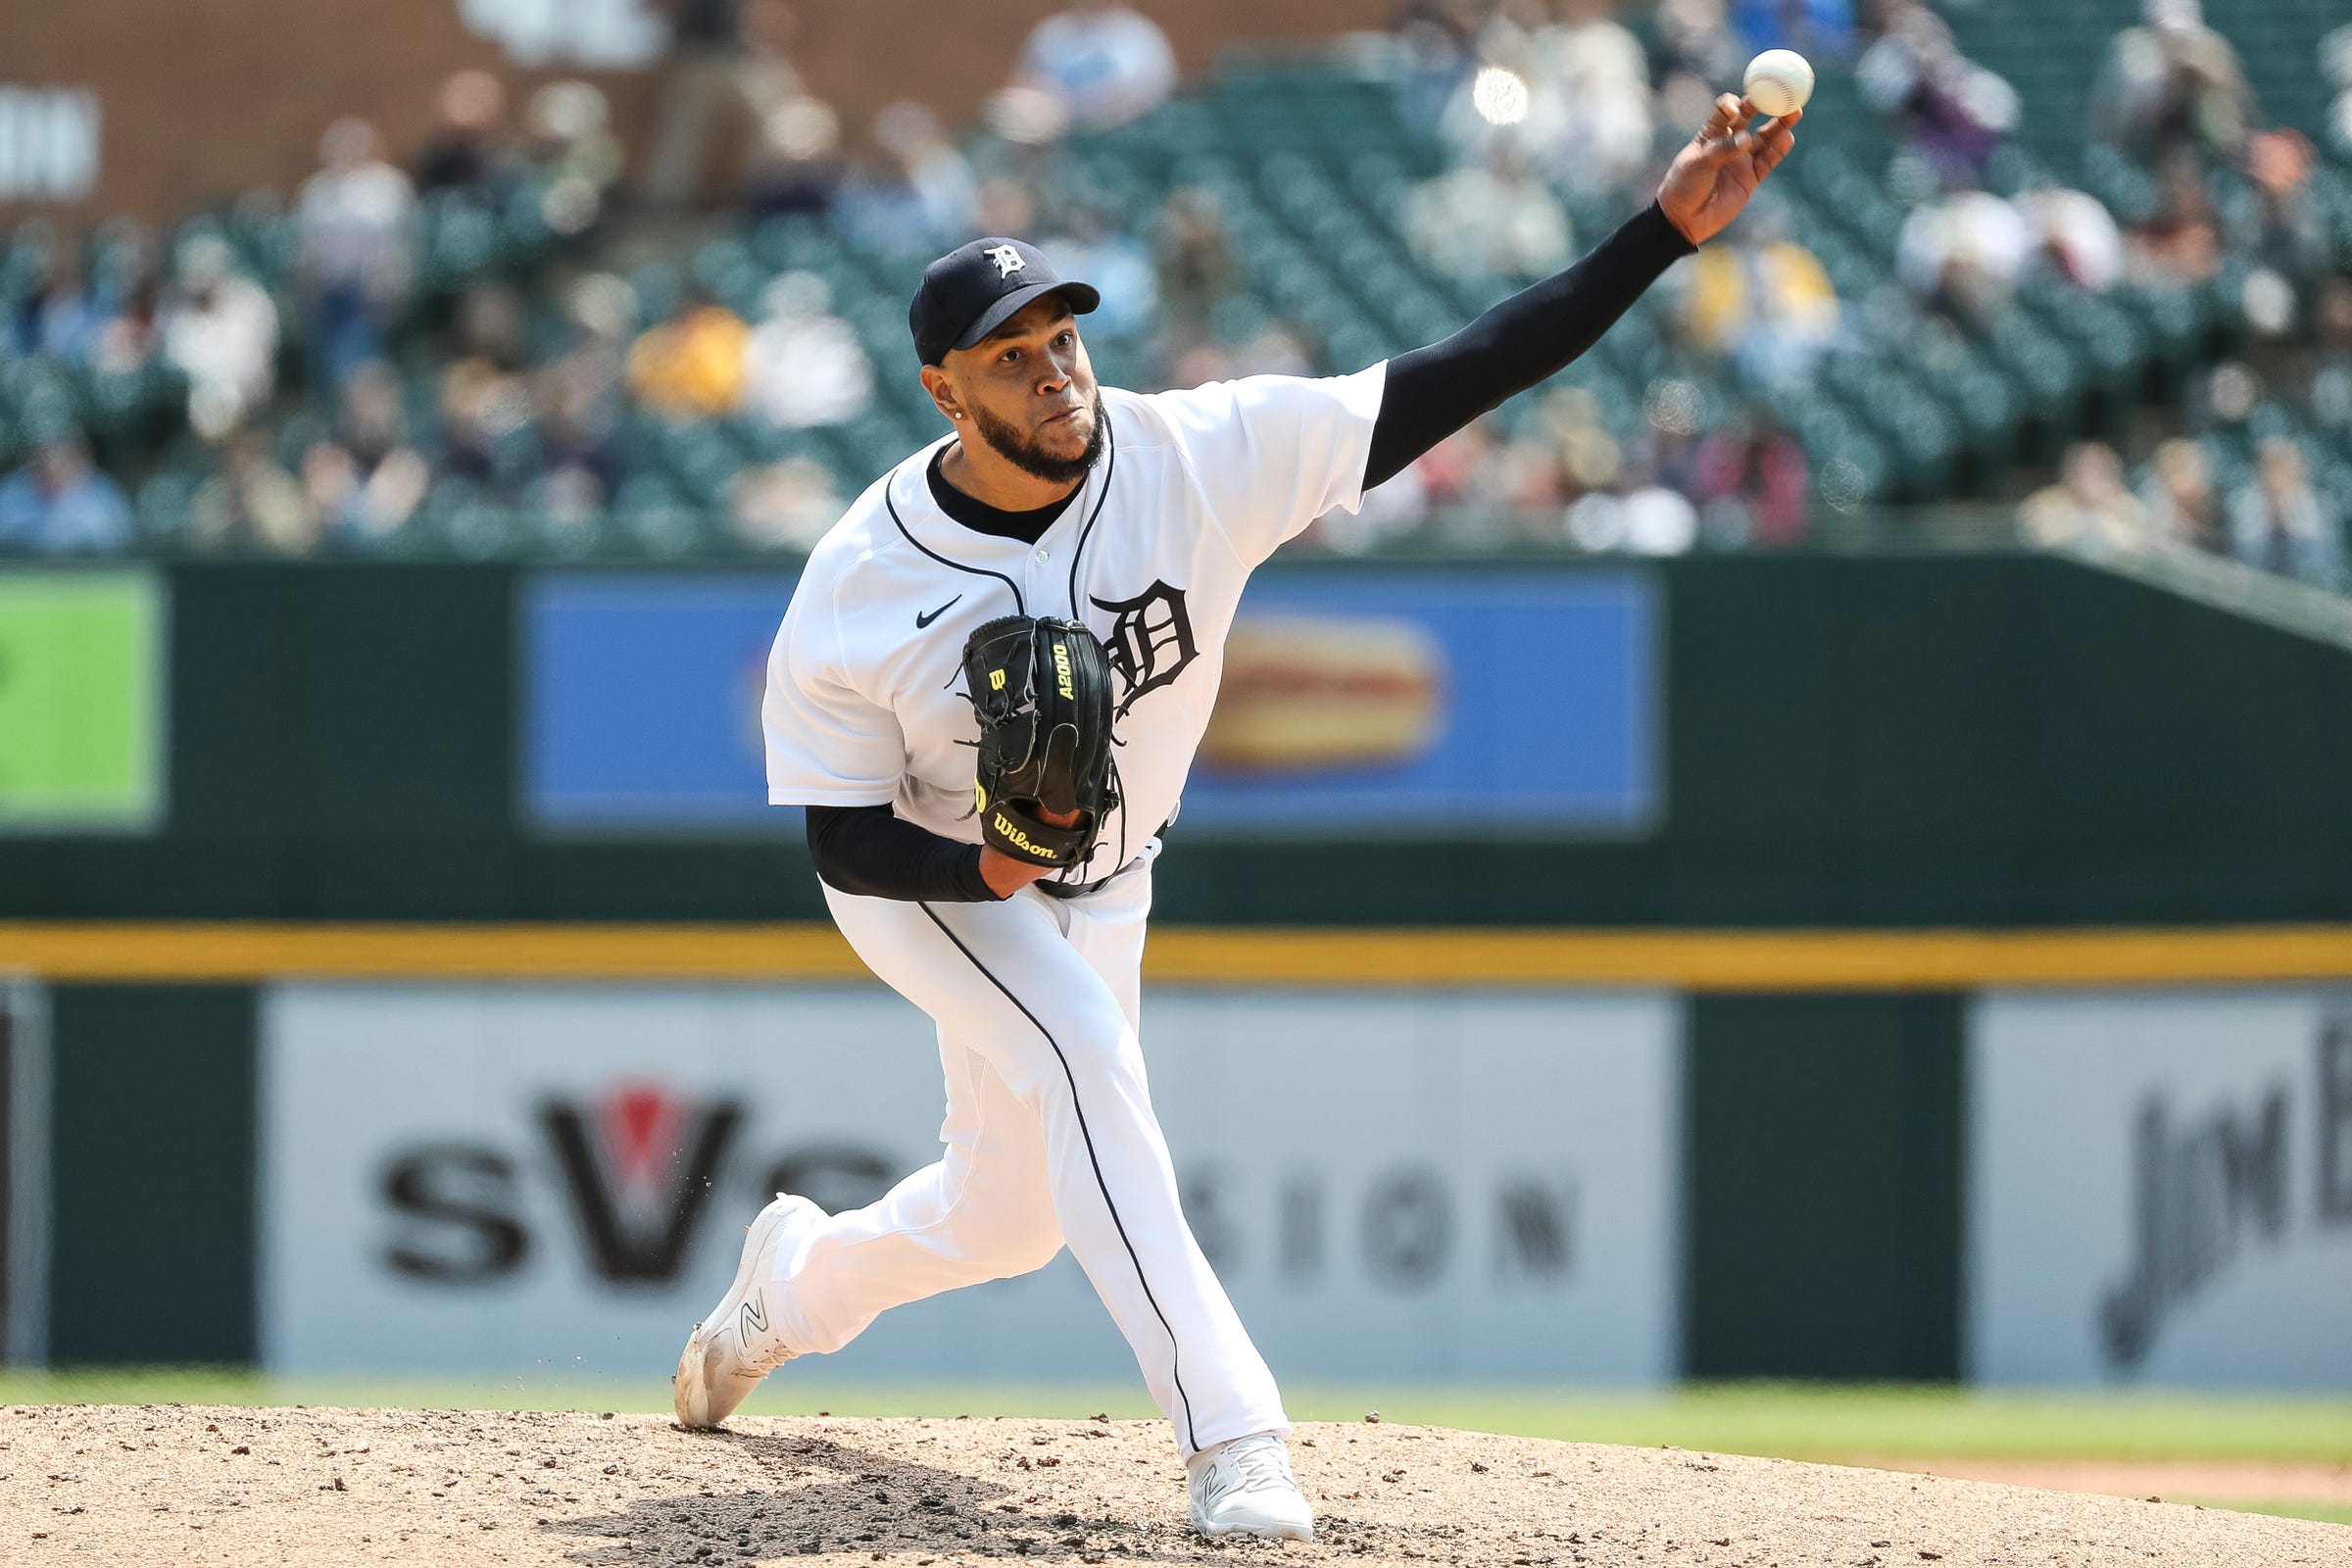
{"type": "Point", "coordinates": [922, 621]}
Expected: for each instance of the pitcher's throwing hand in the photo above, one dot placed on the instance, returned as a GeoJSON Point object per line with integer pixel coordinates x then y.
{"type": "Point", "coordinates": [1713, 176]}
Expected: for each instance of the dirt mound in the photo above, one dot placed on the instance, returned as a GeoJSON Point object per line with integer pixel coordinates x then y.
{"type": "Point", "coordinates": [326, 1487]}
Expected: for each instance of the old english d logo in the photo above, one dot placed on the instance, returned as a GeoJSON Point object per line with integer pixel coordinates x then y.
{"type": "Point", "coordinates": [639, 1165]}
{"type": "Point", "coordinates": [1151, 641]}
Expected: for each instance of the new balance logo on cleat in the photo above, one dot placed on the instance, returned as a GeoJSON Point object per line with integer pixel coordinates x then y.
{"type": "Point", "coordinates": [754, 1316]}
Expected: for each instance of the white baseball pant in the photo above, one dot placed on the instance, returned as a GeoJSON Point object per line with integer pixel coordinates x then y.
{"type": "Point", "coordinates": [1051, 1141]}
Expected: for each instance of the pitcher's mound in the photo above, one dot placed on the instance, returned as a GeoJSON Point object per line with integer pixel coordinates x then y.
{"type": "Point", "coordinates": [328, 1488]}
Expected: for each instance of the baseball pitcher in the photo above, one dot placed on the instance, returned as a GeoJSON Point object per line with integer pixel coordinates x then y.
{"type": "Point", "coordinates": [987, 693]}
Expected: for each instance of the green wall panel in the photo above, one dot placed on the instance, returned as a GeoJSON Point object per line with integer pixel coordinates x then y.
{"type": "Point", "coordinates": [1823, 1183]}
{"type": "Point", "coordinates": [152, 1175]}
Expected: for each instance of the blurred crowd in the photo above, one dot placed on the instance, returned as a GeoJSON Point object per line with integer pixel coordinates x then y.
{"type": "Point", "coordinates": [2208, 199]}
{"type": "Point", "coordinates": [448, 331]}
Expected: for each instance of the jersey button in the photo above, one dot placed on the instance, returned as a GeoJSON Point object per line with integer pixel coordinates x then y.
{"type": "Point", "coordinates": [1038, 556]}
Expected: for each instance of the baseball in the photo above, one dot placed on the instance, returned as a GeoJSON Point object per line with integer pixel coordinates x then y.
{"type": "Point", "coordinates": [1779, 81]}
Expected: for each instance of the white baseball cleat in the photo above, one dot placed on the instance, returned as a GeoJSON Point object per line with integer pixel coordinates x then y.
{"type": "Point", "coordinates": [1245, 1488]}
{"type": "Point", "coordinates": [738, 1345]}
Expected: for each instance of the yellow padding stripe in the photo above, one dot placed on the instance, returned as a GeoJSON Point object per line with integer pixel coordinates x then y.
{"type": "Point", "coordinates": [1696, 960]}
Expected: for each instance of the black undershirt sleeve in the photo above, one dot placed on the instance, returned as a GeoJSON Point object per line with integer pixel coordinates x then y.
{"type": "Point", "coordinates": [1433, 391]}
{"type": "Point", "coordinates": [871, 851]}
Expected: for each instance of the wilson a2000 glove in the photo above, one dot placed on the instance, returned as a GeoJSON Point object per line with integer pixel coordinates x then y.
{"type": "Point", "coordinates": [1043, 692]}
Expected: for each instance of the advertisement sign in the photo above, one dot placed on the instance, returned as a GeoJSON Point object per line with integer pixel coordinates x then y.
{"type": "Point", "coordinates": [1361, 700]}
{"type": "Point", "coordinates": [1351, 701]}
{"type": "Point", "coordinates": [641, 701]}
{"type": "Point", "coordinates": [81, 702]}
{"type": "Point", "coordinates": [2160, 1189]}
{"type": "Point", "coordinates": [549, 1179]}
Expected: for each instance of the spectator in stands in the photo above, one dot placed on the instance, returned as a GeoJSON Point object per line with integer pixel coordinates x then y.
{"type": "Point", "coordinates": [253, 502]}
{"type": "Point", "coordinates": [2335, 66]}
{"type": "Point", "coordinates": [1521, 480]}
{"type": "Point", "coordinates": [1759, 299]}
{"type": "Point", "coordinates": [577, 404]}
{"type": "Point", "coordinates": [1963, 254]}
{"type": "Point", "coordinates": [571, 153]}
{"type": "Point", "coordinates": [2183, 508]}
{"type": "Point", "coordinates": [579, 457]}
{"type": "Point", "coordinates": [357, 218]}
{"type": "Point", "coordinates": [795, 165]}
{"type": "Point", "coordinates": [703, 89]}
{"type": "Point", "coordinates": [802, 365]}
{"type": "Point", "coordinates": [1091, 245]}
{"type": "Point", "coordinates": [2172, 85]}
{"type": "Point", "coordinates": [1636, 515]}
{"type": "Point", "coordinates": [1694, 54]}
{"type": "Point", "coordinates": [1452, 471]}
{"type": "Point", "coordinates": [2090, 509]}
{"type": "Point", "coordinates": [1274, 348]}
{"type": "Point", "coordinates": [485, 403]}
{"type": "Point", "coordinates": [1585, 453]}
{"type": "Point", "coordinates": [1489, 218]}
{"type": "Point", "coordinates": [2330, 385]}
{"type": "Point", "coordinates": [1438, 41]}
{"type": "Point", "coordinates": [59, 503]}
{"type": "Point", "coordinates": [923, 198]}
{"type": "Point", "coordinates": [2179, 243]}
{"type": "Point", "coordinates": [56, 316]}
{"type": "Point", "coordinates": [2072, 237]}
{"type": "Point", "coordinates": [1953, 111]}
{"type": "Point", "coordinates": [1198, 271]}
{"type": "Point", "coordinates": [1106, 63]}
{"type": "Point", "coordinates": [786, 505]}
{"type": "Point", "coordinates": [366, 480]}
{"type": "Point", "coordinates": [2279, 523]}
{"type": "Point", "coordinates": [2289, 248]}
{"type": "Point", "coordinates": [1593, 65]}
{"type": "Point", "coordinates": [466, 150]}
{"type": "Point", "coordinates": [1749, 479]}
{"type": "Point", "coordinates": [130, 336]}
{"type": "Point", "coordinates": [691, 365]}
{"type": "Point", "coordinates": [219, 327]}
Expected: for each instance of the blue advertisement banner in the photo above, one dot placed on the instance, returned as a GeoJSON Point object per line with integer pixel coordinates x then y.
{"type": "Point", "coordinates": [1357, 700]}
{"type": "Point", "coordinates": [1372, 699]}
{"type": "Point", "coordinates": [642, 701]}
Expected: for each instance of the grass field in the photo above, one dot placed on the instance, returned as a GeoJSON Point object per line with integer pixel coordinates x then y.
{"type": "Point", "coordinates": [1830, 1424]}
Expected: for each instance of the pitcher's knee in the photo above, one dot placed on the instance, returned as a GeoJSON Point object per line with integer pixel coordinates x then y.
{"type": "Point", "coordinates": [1029, 1251]}
{"type": "Point", "coordinates": [1097, 1052]}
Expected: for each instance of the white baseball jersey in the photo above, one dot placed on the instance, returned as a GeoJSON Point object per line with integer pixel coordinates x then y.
{"type": "Point", "coordinates": [1193, 489]}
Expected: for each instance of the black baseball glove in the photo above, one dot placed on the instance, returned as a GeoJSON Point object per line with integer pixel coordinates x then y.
{"type": "Point", "coordinates": [1042, 689]}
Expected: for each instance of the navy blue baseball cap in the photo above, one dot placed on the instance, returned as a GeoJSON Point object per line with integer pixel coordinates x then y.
{"type": "Point", "coordinates": [973, 290]}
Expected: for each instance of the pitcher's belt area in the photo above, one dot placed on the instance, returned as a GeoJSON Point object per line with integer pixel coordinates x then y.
{"type": "Point", "coordinates": [1079, 890]}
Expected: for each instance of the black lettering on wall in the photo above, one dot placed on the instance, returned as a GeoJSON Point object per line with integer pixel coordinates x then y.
{"type": "Point", "coordinates": [458, 1205]}
{"type": "Point", "coordinates": [1535, 1223]}
{"type": "Point", "coordinates": [2254, 1170]}
{"type": "Point", "coordinates": [624, 1246]}
{"type": "Point", "coordinates": [2199, 1193]}
{"type": "Point", "coordinates": [1300, 1224]}
{"type": "Point", "coordinates": [1201, 1192]}
{"type": "Point", "coordinates": [2336, 1123]}
{"type": "Point", "coordinates": [1409, 1229]}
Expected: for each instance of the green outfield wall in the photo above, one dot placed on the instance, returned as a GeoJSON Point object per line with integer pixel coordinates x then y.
{"type": "Point", "coordinates": [1979, 741]}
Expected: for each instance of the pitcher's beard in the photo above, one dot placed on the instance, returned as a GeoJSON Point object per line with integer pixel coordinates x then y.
{"type": "Point", "coordinates": [1018, 448]}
